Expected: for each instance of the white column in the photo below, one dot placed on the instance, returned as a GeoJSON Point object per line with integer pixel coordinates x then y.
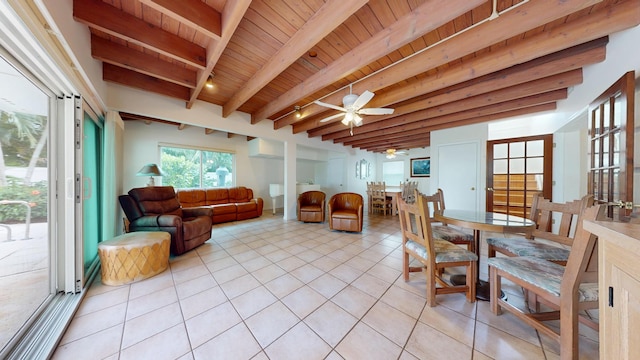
{"type": "Point", "coordinates": [290, 199]}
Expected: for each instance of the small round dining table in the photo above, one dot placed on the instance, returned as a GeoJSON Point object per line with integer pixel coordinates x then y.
{"type": "Point", "coordinates": [483, 221]}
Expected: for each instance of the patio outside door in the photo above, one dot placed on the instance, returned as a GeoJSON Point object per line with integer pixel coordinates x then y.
{"type": "Point", "coordinates": [25, 244]}
{"type": "Point", "coordinates": [517, 168]}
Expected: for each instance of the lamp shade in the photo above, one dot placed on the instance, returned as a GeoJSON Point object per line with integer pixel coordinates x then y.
{"type": "Point", "coordinates": [150, 170]}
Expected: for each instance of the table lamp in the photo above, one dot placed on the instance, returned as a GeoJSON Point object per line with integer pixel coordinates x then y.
{"type": "Point", "coordinates": [150, 170]}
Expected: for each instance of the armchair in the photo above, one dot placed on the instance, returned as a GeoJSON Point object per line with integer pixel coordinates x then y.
{"type": "Point", "coordinates": [311, 206]}
{"type": "Point", "coordinates": [345, 212]}
{"type": "Point", "coordinates": [157, 209]}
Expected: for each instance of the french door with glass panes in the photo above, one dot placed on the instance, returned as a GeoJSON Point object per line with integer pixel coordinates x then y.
{"type": "Point", "coordinates": [611, 140]}
{"type": "Point", "coordinates": [517, 168]}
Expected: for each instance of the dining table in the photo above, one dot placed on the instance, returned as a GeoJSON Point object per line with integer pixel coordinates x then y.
{"type": "Point", "coordinates": [393, 192]}
{"type": "Point", "coordinates": [483, 221]}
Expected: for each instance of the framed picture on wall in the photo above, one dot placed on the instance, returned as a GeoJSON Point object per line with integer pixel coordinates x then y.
{"type": "Point", "coordinates": [421, 167]}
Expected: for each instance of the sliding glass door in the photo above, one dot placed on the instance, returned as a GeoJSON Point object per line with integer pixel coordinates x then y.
{"type": "Point", "coordinates": [25, 243]}
{"type": "Point", "coordinates": [91, 165]}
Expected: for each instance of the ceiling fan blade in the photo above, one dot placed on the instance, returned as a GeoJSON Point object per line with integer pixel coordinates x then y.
{"type": "Point", "coordinates": [376, 111]}
{"type": "Point", "coordinates": [363, 99]}
{"type": "Point", "coordinates": [331, 106]}
{"type": "Point", "coordinates": [331, 117]}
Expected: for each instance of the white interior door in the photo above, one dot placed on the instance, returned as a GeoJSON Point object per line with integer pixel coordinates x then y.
{"type": "Point", "coordinates": [458, 175]}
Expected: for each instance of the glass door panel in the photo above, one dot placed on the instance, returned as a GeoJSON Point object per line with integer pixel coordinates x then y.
{"type": "Point", "coordinates": [25, 250]}
{"type": "Point", "coordinates": [517, 169]}
{"type": "Point", "coordinates": [611, 157]}
{"type": "Point", "coordinates": [91, 191]}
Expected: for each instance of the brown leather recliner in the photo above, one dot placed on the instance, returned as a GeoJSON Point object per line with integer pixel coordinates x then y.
{"type": "Point", "coordinates": [345, 212]}
{"type": "Point", "coordinates": [156, 208]}
{"type": "Point", "coordinates": [311, 206]}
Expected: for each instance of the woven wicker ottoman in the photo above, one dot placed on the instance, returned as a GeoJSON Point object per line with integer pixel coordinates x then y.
{"type": "Point", "coordinates": [134, 256]}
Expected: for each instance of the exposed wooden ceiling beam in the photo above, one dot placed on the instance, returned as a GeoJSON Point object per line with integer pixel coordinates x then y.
{"type": "Point", "coordinates": [503, 72]}
{"type": "Point", "coordinates": [417, 120]}
{"type": "Point", "coordinates": [194, 13]}
{"type": "Point", "coordinates": [208, 131]}
{"type": "Point", "coordinates": [128, 58]}
{"type": "Point", "coordinates": [140, 81]}
{"type": "Point", "coordinates": [399, 143]}
{"type": "Point", "coordinates": [231, 16]}
{"type": "Point", "coordinates": [182, 126]}
{"type": "Point", "coordinates": [425, 18]}
{"type": "Point", "coordinates": [107, 18]}
{"type": "Point", "coordinates": [314, 30]}
{"type": "Point", "coordinates": [536, 13]}
{"type": "Point", "coordinates": [544, 85]}
{"type": "Point", "coordinates": [470, 120]}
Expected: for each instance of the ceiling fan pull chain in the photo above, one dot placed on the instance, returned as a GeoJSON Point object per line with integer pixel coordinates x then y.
{"type": "Point", "coordinates": [351, 129]}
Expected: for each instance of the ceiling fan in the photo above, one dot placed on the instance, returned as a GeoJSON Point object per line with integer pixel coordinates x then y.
{"type": "Point", "coordinates": [391, 153]}
{"type": "Point", "coordinates": [353, 107]}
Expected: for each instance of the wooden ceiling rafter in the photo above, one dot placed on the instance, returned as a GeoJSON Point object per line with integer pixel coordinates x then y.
{"type": "Point", "coordinates": [311, 32]}
{"type": "Point", "coordinates": [457, 68]}
{"type": "Point", "coordinates": [393, 37]}
{"type": "Point", "coordinates": [484, 34]}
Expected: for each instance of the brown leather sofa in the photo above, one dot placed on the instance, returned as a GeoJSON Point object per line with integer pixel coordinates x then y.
{"type": "Point", "coordinates": [156, 208]}
{"type": "Point", "coordinates": [228, 204]}
{"type": "Point", "coordinates": [311, 206]}
{"type": "Point", "coordinates": [345, 212]}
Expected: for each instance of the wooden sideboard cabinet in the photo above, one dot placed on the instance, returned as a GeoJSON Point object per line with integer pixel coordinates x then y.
{"type": "Point", "coordinates": [619, 279]}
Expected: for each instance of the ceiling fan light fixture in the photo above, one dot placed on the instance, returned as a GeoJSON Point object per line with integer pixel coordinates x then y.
{"type": "Point", "coordinates": [391, 153]}
{"type": "Point", "coordinates": [357, 119]}
{"type": "Point", "coordinates": [348, 117]}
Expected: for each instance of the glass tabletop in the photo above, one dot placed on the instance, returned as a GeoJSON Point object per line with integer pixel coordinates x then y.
{"type": "Point", "coordinates": [487, 218]}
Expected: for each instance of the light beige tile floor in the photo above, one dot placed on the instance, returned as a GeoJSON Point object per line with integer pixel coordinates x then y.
{"type": "Point", "coordinates": [274, 289]}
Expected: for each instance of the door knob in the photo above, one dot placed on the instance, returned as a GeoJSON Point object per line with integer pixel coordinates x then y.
{"type": "Point", "coordinates": [624, 205]}
{"type": "Point", "coordinates": [473, 188]}
{"type": "Point", "coordinates": [489, 189]}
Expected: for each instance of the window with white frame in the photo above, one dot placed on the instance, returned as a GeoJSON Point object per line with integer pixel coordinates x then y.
{"type": "Point", "coordinates": [393, 172]}
{"type": "Point", "coordinates": [196, 168]}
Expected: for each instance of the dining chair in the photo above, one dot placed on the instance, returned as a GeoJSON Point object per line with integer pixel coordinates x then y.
{"type": "Point", "coordinates": [544, 242]}
{"type": "Point", "coordinates": [444, 231]}
{"type": "Point", "coordinates": [379, 200]}
{"type": "Point", "coordinates": [566, 290]}
{"type": "Point", "coordinates": [370, 184]}
{"type": "Point", "coordinates": [408, 191]}
{"type": "Point", "coordinates": [435, 255]}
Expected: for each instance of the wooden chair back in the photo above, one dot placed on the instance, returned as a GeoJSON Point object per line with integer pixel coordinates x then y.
{"type": "Point", "coordinates": [542, 213]}
{"type": "Point", "coordinates": [379, 200]}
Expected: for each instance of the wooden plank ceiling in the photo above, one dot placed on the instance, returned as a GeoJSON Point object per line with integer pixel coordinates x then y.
{"type": "Point", "coordinates": [438, 63]}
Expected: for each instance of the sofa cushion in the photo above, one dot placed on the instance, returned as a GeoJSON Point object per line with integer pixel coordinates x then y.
{"type": "Point", "coordinates": [191, 197]}
{"type": "Point", "coordinates": [240, 194]}
{"type": "Point", "coordinates": [217, 196]}
{"type": "Point", "coordinates": [222, 209]}
{"type": "Point", "coordinates": [246, 206]}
